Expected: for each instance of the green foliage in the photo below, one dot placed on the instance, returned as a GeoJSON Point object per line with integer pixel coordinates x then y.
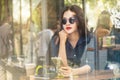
{"type": "Point", "coordinates": [92, 3]}
{"type": "Point", "coordinates": [69, 2]}
{"type": "Point", "coordinates": [5, 8]}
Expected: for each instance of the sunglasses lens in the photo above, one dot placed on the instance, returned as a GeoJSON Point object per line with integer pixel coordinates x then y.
{"type": "Point", "coordinates": [64, 21]}
{"type": "Point", "coordinates": [72, 20]}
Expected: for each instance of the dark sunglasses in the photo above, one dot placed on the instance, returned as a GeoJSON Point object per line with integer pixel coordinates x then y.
{"type": "Point", "coordinates": [71, 20]}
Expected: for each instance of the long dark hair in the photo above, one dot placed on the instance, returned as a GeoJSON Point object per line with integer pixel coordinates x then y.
{"type": "Point", "coordinates": [82, 27]}
{"type": "Point", "coordinates": [104, 20]}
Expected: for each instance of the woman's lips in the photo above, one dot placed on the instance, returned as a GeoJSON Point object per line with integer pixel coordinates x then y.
{"type": "Point", "coordinates": [68, 28]}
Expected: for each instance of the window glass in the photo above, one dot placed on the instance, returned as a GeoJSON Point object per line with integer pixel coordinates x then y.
{"type": "Point", "coordinates": [26, 38]}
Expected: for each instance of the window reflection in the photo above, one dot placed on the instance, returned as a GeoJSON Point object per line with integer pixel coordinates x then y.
{"type": "Point", "coordinates": [29, 17]}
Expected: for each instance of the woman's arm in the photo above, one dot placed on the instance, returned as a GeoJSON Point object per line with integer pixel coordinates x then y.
{"type": "Point", "coordinates": [68, 71]}
{"type": "Point", "coordinates": [82, 70]}
{"type": "Point", "coordinates": [62, 49]}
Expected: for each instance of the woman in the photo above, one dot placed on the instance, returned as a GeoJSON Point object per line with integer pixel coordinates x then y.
{"type": "Point", "coordinates": [104, 31]}
{"type": "Point", "coordinates": [69, 43]}
{"type": "Point", "coordinates": [104, 26]}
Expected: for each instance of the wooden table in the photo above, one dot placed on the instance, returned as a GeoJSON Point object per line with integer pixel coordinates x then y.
{"type": "Point", "coordinates": [117, 47]}
{"type": "Point", "coordinates": [95, 75]}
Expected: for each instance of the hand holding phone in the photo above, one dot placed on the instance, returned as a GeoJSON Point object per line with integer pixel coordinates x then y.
{"type": "Point", "coordinates": [57, 61]}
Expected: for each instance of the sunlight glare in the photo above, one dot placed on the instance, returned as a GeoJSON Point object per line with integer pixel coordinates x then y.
{"type": "Point", "coordinates": [25, 10]}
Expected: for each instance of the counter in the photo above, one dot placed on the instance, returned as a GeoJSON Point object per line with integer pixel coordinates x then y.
{"type": "Point", "coordinates": [94, 75]}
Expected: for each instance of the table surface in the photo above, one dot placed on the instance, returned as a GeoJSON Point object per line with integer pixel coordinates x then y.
{"type": "Point", "coordinates": [95, 75]}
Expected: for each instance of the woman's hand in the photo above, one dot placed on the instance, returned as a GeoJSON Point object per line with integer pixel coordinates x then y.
{"type": "Point", "coordinates": [66, 71]}
{"type": "Point", "coordinates": [63, 36]}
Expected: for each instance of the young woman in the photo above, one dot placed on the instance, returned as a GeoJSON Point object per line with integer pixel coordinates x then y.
{"type": "Point", "coordinates": [69, 43]}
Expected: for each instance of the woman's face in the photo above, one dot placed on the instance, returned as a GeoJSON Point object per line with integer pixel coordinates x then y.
{"type": "Point", "coordinates": [69, 22]}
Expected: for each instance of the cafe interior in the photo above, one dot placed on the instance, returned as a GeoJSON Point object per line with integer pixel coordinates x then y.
{"type": "Point", "coordinates": [20, 42]}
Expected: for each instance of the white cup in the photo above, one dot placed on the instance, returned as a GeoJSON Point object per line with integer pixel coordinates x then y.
{"type": "Point", "coordinates": [30, 69]}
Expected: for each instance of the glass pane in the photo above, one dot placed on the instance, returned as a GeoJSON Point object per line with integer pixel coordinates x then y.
{"type": "Point", "coordinates": [27, 23]}
{"type": "Point", "coordinates": [26, 41]}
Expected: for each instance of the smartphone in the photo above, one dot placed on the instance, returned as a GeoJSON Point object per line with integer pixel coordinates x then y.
{"type": "Point", "coordinates": [57, 61]}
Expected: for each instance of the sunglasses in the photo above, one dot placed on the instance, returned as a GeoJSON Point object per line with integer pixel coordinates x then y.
{"type": "Point", "coordinates": [71, 20]}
